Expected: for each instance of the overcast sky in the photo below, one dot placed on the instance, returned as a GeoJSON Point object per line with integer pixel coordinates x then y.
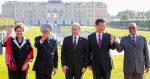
{"type": "Point", "coordinates": [114, 6]}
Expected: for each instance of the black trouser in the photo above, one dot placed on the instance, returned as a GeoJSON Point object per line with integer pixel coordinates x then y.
{"type": "Point", "coordinates": [17, 74]}
{"type": "Point", "coordinates": [73, 74]}
{"type": "Point", "coordinates": [134, 75]}
{"type": "Point", "coordinates": [43, 76]}
{"type": "Point", "coordinates": [100, 73]}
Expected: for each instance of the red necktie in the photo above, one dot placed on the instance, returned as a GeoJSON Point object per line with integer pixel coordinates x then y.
{"type": "Point", "coordinates": [75, 43]}
{"type": "Point", "coordinates": [99, 41]}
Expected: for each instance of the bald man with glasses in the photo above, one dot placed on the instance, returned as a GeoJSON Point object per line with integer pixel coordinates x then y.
{"type": "Point", "coordinates": [136, 54]}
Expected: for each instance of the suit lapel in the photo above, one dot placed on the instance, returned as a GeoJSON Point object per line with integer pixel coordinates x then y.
{"type": "Point", "coordinates": [103, 40]}
{"type": "Point", "coordinates": [79, 42]}
{"type": "Point", "coordinates": [130, 40]}
{"type": "Point", "coordinates": [71, 42]}
{"type": "Point", "coordinates": [23, 43]}
{"type": "Point", "coordinates": [95, 41]}
{"type": "Point", "coordinates": [137, 40]}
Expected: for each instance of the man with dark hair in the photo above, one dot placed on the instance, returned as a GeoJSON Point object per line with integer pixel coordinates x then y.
{"type": "Point", "coordinates": [100, 43]}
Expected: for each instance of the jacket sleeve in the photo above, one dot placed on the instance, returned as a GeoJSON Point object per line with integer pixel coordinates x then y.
{"type": "Point", "coordinates": [63, 52]}
{"type": "Point", "coordinates": [112, 45]}
{"type": "Point", "coordinates": [146, 54]}
{"type": "Point", "coordinates": [89, 53]}
{"type": "Point", "coordinates": [85, 64]}
{"type": "Point", "coordinates": [4, 44]}
{"type": "Point", "coordinates": [37, 42]}
{"type": "Point", "coordinates": [30, 49]}
{"type": "Point", "coordinates": [56, 56]}
{"type": "Point", "coordinates": [120, 47]}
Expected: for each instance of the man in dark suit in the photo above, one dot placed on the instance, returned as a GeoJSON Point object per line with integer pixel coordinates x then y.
{"type": "Point", "coordinates": [136, 54]}
{"type": "Point", "coordinates": [74, 54]}
{"type": "Point", "coordinates": [47, 55]}
{"type": "Point", "coordinates": [100, 43]}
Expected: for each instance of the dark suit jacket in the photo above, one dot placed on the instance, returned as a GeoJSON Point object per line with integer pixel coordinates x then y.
{"type": "Point", "coordinates": [136, 57]}
{"type": "Point", "coordinates": [74, 58]}
{"type": "Point", "coordinates": [100, 57]}
{"type": "Point", "coordinates": [20, 53]}
{"type": "Point", "coordinates": [47, 55]}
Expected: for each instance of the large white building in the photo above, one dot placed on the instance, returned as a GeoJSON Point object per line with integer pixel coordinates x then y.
{"type": "Point", "coordinates": [55, 12]}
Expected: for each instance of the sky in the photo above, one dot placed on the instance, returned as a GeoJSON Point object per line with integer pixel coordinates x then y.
{"type": "Point", "coordinates": [114, 6]}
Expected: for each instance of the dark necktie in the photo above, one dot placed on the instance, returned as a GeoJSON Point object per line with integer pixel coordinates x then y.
{"type": "Point", "coordinates": [133, 39]}
{"type": "Point", "coordinates": [99, 41]}
{"type": "Point", "coordinates": [75, 42]}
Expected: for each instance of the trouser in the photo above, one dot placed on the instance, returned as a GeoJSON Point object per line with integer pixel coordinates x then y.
{"type": "Point", "coordinates": [17, 74]}
{"type": "Point", "coordinates": [134, 75]}
{"type": "Point", "coordinates": [43, 76]}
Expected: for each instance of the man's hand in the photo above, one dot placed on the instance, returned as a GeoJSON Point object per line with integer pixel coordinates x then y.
{"type": "Point", "coordinates": [146, 70]}
{"type": "Point", "coordinates": [54, 71]}
{"type": "Point", "coordinates": [65, 68]}
{"type": "Point", "coordinates": [83, 70]}
{"type": "Point", "coordinates": [90, 68]}
{"type": "Point", "coordinates": [112, 39]}
{"type": "Point", "coordinates": [44, 37]}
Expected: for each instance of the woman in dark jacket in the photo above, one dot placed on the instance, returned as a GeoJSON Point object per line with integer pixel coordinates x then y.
{"type": "Point", "coordinates": [18, 52]}
{"type": "Point", "coordinates": [47, 56]}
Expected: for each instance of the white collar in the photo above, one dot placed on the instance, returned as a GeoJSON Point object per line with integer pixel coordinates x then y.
{"type": "Point", "coordinates": [76, 37]}
{"type": "Point", "coordinates": [15, 41]}
{"type": "Point", "coordinates": [97, 34]}
{"type": "Point", "coordinates": [133, 35]}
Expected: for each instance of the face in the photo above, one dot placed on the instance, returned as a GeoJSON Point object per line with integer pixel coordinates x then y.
{"type": "Point", "coordinates": [132, 29]}
{"type": "Point", "coordinates": [46, 30]}
{"type": "Point", "coordinates": [19, 32]}
{"type": "Point", "coordinates": [100, 27]}
{"type": "Point", "coordinates": [75, 30]}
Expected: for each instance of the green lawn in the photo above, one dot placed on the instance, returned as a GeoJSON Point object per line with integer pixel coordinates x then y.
{"type": "Point", "coordinates": [116, 32]}
{"type": "Point", "coordinates": [117, 72]}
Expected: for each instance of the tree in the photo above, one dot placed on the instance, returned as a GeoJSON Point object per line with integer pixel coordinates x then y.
{"type": "Point", "coordinates": [124, 17]}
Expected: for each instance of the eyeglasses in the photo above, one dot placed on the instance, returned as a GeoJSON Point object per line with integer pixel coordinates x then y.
{"type": "Point", "coordinates": [131, 27]}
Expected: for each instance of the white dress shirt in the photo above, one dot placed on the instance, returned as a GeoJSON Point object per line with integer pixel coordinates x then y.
{"type": "Point", "coordinates": [77, 39]}
{"type": "Point", "coordinates": [97, 36]}
{"type": "Point", "coordinates": [132, 37]}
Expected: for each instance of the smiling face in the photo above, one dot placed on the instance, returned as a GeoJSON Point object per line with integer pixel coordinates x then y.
{"type": "Point", "coordinates": [100, 27]}
{"type": "Point", "coordinates": [132, 29]}
{"type": "Point", "coordinates": [19, 32]}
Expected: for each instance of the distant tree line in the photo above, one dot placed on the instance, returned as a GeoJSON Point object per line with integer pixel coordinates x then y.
{"type": "Point", "coordinates": [123, 24]}
{"type": "Point", "coordinates": [130, 14]}
{"type": "Point", "coordinates": [123, 18]}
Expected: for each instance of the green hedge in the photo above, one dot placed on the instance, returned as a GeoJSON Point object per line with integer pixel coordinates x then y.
{"type": "Point", "coordinates": [142, 24]}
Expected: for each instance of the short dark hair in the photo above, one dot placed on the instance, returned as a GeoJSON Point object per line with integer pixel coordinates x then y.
{"type": "Point", "coordinates": [99, 20]}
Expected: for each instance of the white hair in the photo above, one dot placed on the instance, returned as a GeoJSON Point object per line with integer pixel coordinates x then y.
{"type": "Point", "coordinates": [46, 25]}
{"type": "Point", "coordinates": [132, 25]}
{"type": "Point", "coordinates": [76, 24]}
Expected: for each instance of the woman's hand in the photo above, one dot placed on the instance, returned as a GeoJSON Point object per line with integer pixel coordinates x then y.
{"type": "Point", "coordinates": [25, 67]}
{"type": "Point", "coordinates": [9, 31]}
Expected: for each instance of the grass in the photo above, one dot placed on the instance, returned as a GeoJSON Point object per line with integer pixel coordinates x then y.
{"type": "Point", "coordinates": [117, 72]}
{"type": "Point", "coordinates": [116, 32]}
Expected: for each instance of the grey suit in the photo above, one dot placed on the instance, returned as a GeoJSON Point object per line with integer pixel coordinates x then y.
{"type": "Point", "coordinates": [136, 56]}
